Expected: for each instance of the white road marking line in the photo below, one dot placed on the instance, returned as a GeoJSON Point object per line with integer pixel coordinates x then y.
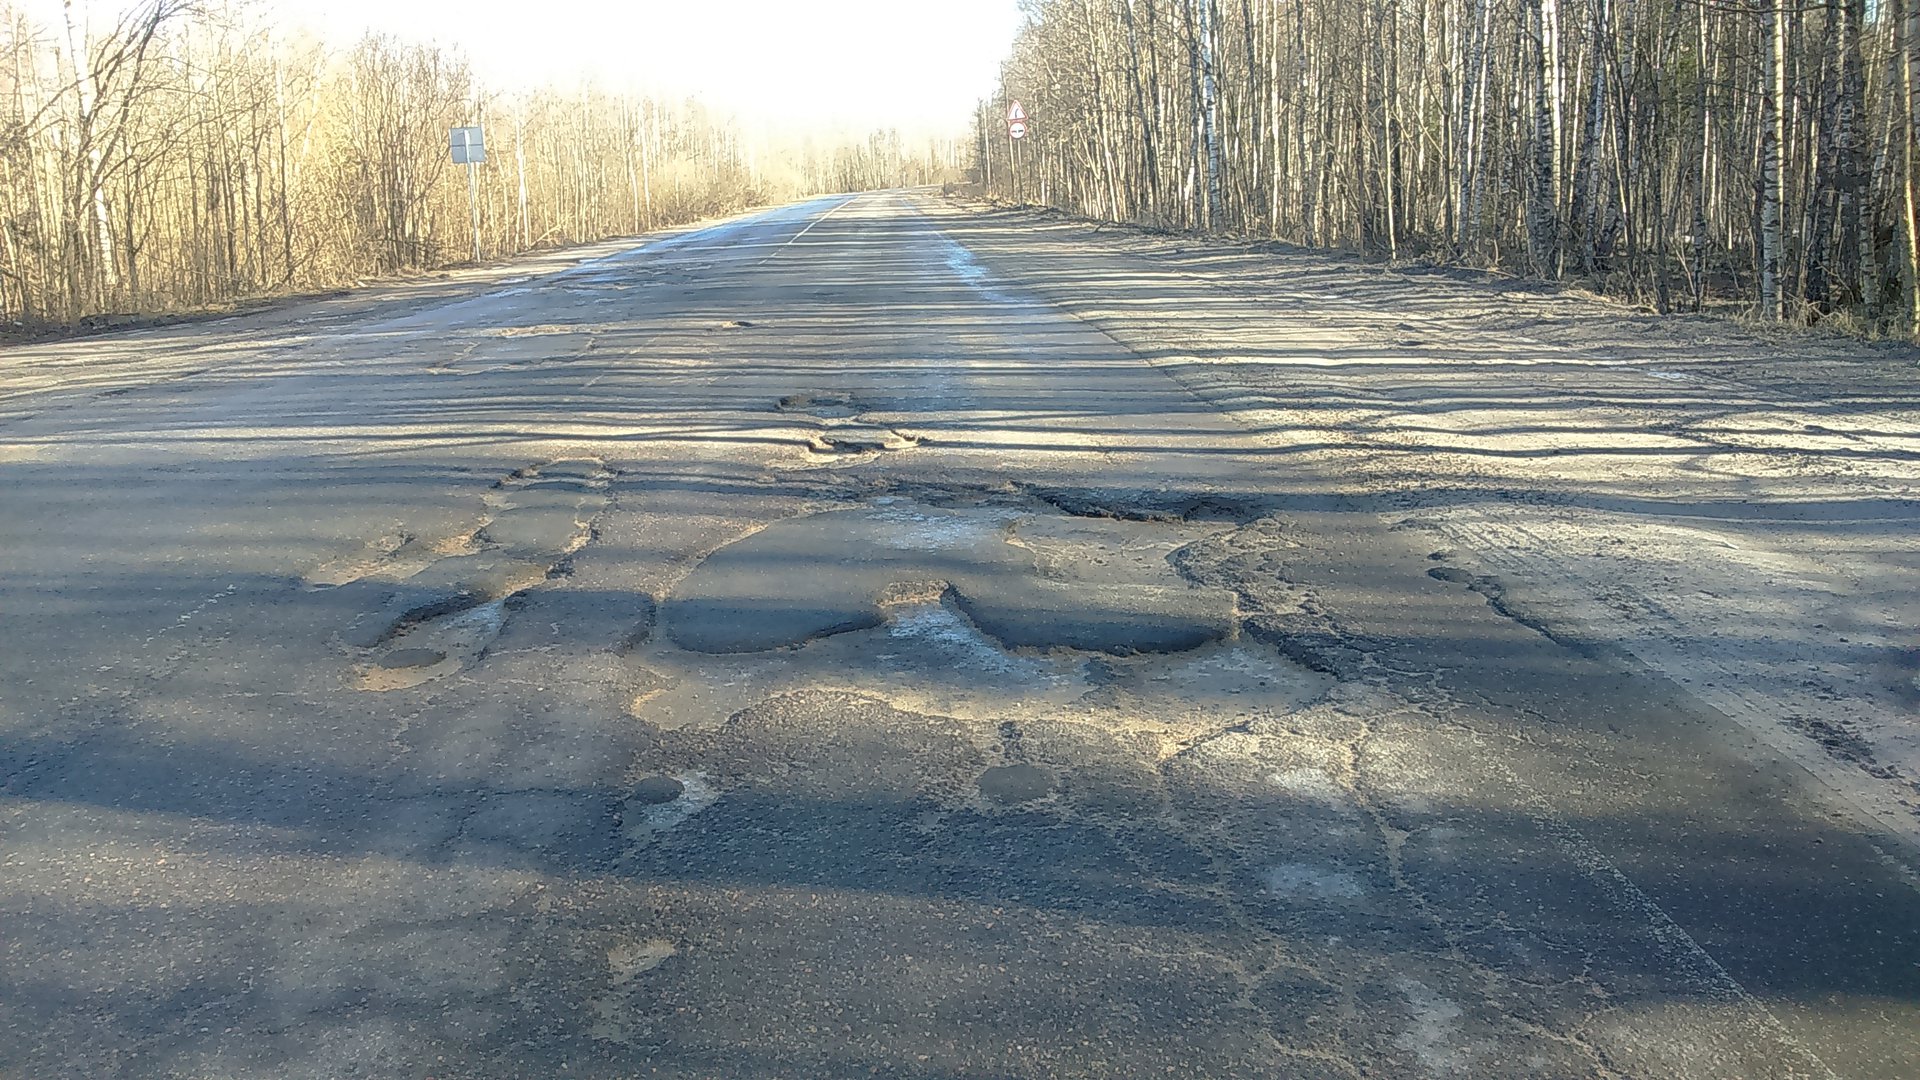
{"type": "Point", "coordinates": [796, 236]}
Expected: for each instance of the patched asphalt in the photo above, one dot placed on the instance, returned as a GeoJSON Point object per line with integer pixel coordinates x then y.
{"type": "Point", "coordinates": [798, 649]}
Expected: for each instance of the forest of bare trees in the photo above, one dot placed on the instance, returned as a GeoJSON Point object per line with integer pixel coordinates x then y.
{"type": "Point", "coordinates": [1685, 153]}
{"type": "Point", "coordinates": [190, 156]}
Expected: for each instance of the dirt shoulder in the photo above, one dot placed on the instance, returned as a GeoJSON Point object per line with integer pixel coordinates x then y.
{"type": "Point", "coordinates": [1735, 508]}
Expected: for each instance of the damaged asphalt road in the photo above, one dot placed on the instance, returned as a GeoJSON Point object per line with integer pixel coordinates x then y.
{"type": "Point", "coordinates": [796, 649]}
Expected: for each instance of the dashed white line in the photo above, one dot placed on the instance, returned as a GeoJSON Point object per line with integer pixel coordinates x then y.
{"type": "Point", "coordinates": [810, 225]}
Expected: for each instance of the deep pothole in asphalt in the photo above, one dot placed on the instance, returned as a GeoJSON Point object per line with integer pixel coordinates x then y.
{"type": "Point", "coordinates": [430, 609]}
{"type": "Point", "coordinates": [659, 803]}
{"type": "Point", "coordinates": [971, 604]}
{"type": "Point", "coordinates": [657, 790]}
{"type": "Point", "coordinates": [400, 659]}
{"type": "Point", "coordinates": [1029, 580]}
{"type": "Point", "coordinates": [861, 439]}
{"type": "Point", "coordinates": [1151, 504]}
{"type": "Point", "coordinates": [827, 406]}
{"type": "Point", "coordinates": [841, 428]}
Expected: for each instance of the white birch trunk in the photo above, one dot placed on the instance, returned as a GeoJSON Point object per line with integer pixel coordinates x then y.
{"type": "Point", "coordinates": [1772, 137]}
{"type": "Point", "coordinates": [1209, 113]}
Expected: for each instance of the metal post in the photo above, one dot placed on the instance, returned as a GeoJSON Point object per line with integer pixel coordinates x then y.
{"type": "Point", "coordinates": [986, 150]}
{"type": "Point", "coordinates": [473, 204]}
{"type": "Point", "coordinates": [1013, 170]}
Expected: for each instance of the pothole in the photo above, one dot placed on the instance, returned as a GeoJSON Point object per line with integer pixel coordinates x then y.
{"type": "Point", "coordinates": [994, 607]}
{"type": "Point", "coordinates": [440, 606]}
{"type": "Point", "coordinates": [650, 812]}
{"type": "Point", "coordinates": [828, 573]}
{"type": "Point", "coordinates": [436, 648]}
{"type": "Point", "coordinates": [861, 440]}
{"type": "Point", "coordinates": [656, 790]}
{"type": "Point", "coordinates": [829, 406]}
{"type": "Point", "coordinates": [1152, 505]}
{"type": "Point", "coordinates": [410, 658]}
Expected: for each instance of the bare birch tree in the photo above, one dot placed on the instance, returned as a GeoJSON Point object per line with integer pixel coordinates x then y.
{"type": "Point", "coordinates": [1763, 153]}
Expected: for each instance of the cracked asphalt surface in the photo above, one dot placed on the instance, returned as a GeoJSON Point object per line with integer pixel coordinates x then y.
{"type": "Point", "coordinates": [797, 648]}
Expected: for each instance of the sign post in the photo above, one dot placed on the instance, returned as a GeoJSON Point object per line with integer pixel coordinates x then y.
{"type": "Point", "coordinates": [986, 150]}
{"type": "Point", "coordinates": [469, 147]}
{"type": "Point", "coordinates": [1016, 130]}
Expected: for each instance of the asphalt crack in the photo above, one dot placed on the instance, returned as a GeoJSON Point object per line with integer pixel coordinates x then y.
{"type": "Point", "coordinates": [1495, 593]}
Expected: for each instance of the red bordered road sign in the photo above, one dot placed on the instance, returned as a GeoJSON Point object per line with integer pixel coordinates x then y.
{"type": "Point", "coordinates": [1016, 121]}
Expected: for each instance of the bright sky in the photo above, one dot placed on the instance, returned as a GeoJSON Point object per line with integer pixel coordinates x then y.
{"type": "Point", "coordinates": [914, 64]}
{"type": "Point", "coordinates": [919, 65]}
